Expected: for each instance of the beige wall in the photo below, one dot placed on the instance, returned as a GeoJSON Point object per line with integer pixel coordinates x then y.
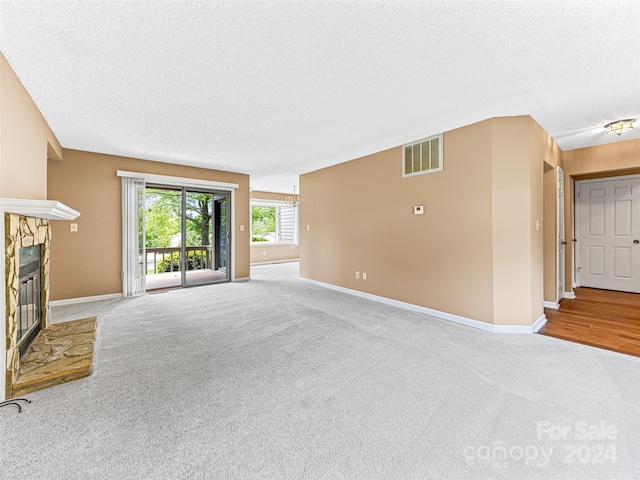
{"type": "Point", "coordinates": [272, 253]}
{"type": "Point", "coordinates": [547, 151]}
{"type": "Point", "coordinates": [89, 262]}
{"type": "Point", "coordinates": [25, 140]}
{"type": "Point", "coordinates": [519, 149]}
{"type": "Point", "coordinates": [474, 253]}
{"type": "Point", "coordinates": [612, 159]}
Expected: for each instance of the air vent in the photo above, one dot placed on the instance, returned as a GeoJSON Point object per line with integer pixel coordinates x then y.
{"type": "Point", "coordinates": [423, 156]}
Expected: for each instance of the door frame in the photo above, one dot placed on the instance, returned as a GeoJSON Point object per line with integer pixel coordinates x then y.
{"type": "Point", "coordinates": [578, 220]}
{"type": "Point", "coordinates": [560, 237]}
{"type": "Point", "coordinates": [170, 181]}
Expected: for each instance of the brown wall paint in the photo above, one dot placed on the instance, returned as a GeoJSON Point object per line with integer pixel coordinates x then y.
{"type": "Point", "coordinates": [475, 252]}
{"type": "Point", "coordinates": [25, 140]}
{"type": "Point", "coordinates": [89, 262]}
{"type": "Point", "coordinates": [272, 253]}
{"type": "Point", "coordinates": [612, 159]}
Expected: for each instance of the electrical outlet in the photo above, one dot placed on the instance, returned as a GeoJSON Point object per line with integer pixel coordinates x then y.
{"type": "Point", "coordinates": [308, 227]}
{"type": "Point", "coordinates": [264, 253]}
{"type": "Point", "coordinates": [242, 228]}
{"type": "Point", "coordinates": [357, 275]}
{"type": "Point", "coordinates": [364, 275]}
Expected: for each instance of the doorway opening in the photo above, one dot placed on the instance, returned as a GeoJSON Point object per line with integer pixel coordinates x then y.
{"type": "Point", "coordinates": [607, 254]}
{"type": "Point", "coordinates": [186, 237]}
{"type": "Point", "coordinates": [602, 310]}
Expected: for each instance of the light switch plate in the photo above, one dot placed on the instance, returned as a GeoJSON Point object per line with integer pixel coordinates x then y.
{"type": "Point", "coordinates": [418, 209]}
{"type": "Point", "coordinates": [73, 227]}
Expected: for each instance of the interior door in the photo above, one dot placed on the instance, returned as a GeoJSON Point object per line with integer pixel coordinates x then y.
{"type": "Point", "coordinates": [610, 234]}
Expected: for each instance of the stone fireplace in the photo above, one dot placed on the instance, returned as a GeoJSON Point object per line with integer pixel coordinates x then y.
{"type": "Point", "coordinates": [27, 292]}
{"type": "Point", "coordinates": [24, 289]}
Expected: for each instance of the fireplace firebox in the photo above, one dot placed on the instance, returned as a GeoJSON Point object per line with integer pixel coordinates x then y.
{"type": "Point", "coordinates": [29, 314]}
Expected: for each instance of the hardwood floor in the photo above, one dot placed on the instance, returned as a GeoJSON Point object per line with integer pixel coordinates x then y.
{"type": "Point", "coordinates": [600, 318]}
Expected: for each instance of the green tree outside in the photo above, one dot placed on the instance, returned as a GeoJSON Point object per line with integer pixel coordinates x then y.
{"type": "Point", "coordinates": [163, 218]}
{"type": "Point", "coordinates": [263, 222]}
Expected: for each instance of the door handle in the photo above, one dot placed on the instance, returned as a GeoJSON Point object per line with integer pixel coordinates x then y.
{"type": "Point", "coordinates": [564, 243]}
{"type": "Point", "coordinates": [636, 241]}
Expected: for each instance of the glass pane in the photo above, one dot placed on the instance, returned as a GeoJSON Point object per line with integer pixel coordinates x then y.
{"type": "Point", "coordinates": [221, 207]}
{"type": "Point", "coordinates": [163, 237]}
{"type": "Point", "coordinates": [263, 224]}
{"type": "Point", "coordinates": [199, 260]}
{"type": "Point", "coordinates": [408, 160]}
{"type": "Point", "coordinates": [435, 153]}
{"type": "Point", "coordinates": [416, 158]}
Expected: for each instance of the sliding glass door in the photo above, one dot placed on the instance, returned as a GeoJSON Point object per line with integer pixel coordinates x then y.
{"type": "Point", "coordinates": [187, 237]}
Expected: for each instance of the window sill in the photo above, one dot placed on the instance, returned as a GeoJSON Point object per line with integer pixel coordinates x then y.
{"type": "Point", "coordinates": [273, 244]}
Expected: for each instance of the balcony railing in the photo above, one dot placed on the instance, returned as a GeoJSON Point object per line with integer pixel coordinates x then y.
{"type": "Point", "coordinates": [168, 259]}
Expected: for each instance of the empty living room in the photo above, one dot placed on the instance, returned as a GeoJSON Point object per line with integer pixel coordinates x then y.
{"type": "Point", "coordinates": [320, 240]}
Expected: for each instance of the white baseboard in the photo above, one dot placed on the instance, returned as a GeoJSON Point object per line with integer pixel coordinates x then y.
{"type": "Point", "coordinates": [554, 305]}
{"type": "Point", "coordinates": [95, 298]}
{"type": "Point", "coordinates": [569, 295]}
{"type": "Point", "coordinates": [488, 327]}
{"type": "Point", "coordinates": [242, 279]}
{"type": "Point", "coordinates": [538, 324]}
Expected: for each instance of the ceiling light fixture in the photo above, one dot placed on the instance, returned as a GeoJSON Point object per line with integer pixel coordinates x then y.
{"type": "Point", "coordinates": [620, 126]}
{"type": "Point", "coordinates": [292, 200]}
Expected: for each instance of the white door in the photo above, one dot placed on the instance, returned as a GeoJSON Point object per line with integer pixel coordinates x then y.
{"type": "Point", "coordinates": [610, 234]}
{"type": "Point", "coordinates": [561, 240]}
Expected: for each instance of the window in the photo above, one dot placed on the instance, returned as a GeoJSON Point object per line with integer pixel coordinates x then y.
{"type": "Point", "coordinates": [423, 156]}
{"type": "Point", "coordinates": [273, 223]}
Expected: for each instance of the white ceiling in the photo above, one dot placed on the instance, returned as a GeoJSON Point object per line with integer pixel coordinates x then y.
{"type": "Point", "coordinates": [276, 89]}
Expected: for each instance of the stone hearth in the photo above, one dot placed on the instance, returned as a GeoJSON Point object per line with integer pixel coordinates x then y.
{"type": "Point", "coordinates": [62, 352]}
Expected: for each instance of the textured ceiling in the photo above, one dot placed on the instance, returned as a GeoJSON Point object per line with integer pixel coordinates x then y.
{"type": "Point", "coordinates": [276, 89]}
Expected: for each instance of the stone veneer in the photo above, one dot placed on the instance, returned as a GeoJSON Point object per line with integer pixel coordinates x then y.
{"type": "Point", "coordinates": [21, 232]}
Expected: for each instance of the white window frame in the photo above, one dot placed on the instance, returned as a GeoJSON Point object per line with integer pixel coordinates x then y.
{"type": "Point", "coordinates": [277, 205]}
{"type": "Point", "coordinates": [439, 136]}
